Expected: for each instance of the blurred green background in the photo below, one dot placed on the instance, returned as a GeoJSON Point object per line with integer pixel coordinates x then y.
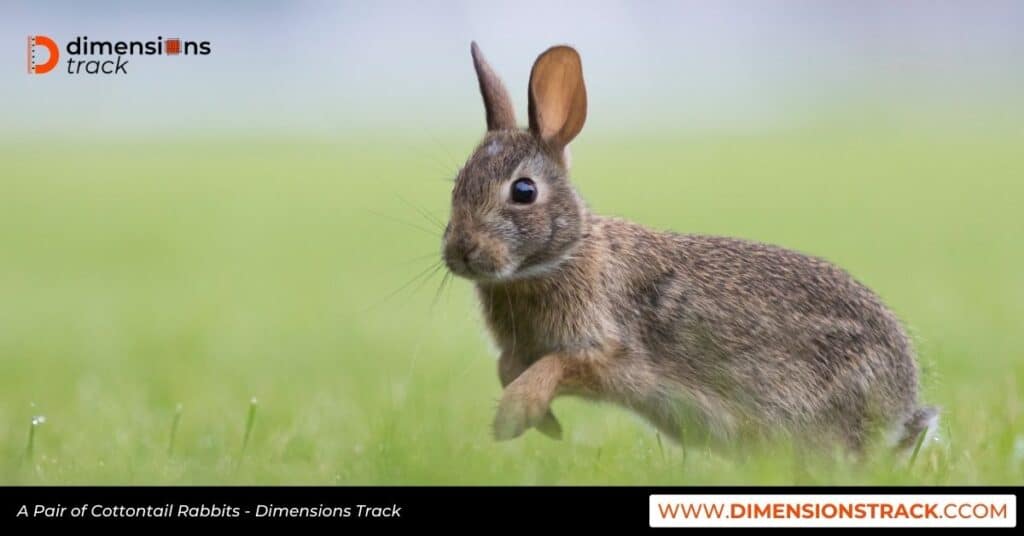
{"type": "Point", "coordinates": [184, 249]}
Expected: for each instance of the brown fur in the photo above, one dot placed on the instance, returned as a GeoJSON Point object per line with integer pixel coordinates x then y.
{"type": "Point", "coordinates": [709, 338]}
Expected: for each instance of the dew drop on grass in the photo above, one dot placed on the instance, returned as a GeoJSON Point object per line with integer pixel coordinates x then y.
{"type": "Point", "coordinates": [37, 420]}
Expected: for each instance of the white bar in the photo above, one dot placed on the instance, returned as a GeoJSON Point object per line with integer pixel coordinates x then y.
{"type": "Point", "coordinates": [796, 510]}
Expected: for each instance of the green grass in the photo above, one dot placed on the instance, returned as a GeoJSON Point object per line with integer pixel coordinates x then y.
{"type": "Point", "coordinates": [150, 289]}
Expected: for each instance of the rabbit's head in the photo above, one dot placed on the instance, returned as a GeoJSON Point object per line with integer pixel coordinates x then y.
{"type": "Point", "coordinates": [514, 213]}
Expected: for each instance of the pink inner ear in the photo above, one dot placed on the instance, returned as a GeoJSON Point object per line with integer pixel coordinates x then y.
{"type": "Point", "coordinates": [558, 99]}
{"type": "Point", "coordinates": [552, 106]}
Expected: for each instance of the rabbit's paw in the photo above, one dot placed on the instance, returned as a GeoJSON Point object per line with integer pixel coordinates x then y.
{"type": "Point", "coordinates": [549, 426]}
{"type": "Point", "coordinates": [517, 413]}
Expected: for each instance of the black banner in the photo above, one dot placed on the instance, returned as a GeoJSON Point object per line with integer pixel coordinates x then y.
{"type": "Point", "coordinates": [384, 507]}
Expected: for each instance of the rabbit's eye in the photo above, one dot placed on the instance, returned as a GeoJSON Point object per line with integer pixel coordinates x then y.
{"type": "Point", "coordinates": [524, 191]}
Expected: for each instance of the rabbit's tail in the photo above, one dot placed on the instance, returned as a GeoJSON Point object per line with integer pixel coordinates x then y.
{"type": "Point", "coordinates": [922, 422]}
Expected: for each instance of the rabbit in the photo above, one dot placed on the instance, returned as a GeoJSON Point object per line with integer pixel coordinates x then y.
{"type": "Point", "coordinates": [708, 338]}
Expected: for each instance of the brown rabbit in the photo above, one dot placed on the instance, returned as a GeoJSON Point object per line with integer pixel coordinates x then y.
{"type": "Point", "coordinates": [709, 338]}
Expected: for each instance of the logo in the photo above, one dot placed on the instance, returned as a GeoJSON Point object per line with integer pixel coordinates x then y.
{"type": "Point", "coordinates": [36, 42]}
{"type": "Point", "coordinates": [93, 57]}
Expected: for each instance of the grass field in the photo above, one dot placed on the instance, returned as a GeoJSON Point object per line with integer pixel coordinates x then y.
{"type": "Point", "coordinates": [137, 277]}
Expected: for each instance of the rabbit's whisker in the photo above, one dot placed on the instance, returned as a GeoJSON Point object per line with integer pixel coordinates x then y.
{"type": "Point", "coordinates": [432, 255]}
{"type": "Point", "coordinates": [423, 212]}
{"type": "Point", "coordinates": [424, 280]}
{"type": "Point", "coordinates": [512, 318]}
{"type": "Point", "coordinates": [440, 288]}
{"type": "Point", "coordinates": [431, 232]}
{"type": "Point", "coordinates": [421, 276]}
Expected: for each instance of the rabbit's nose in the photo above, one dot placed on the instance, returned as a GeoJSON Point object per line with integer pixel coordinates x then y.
{"type": "Point", "coordinates": [457, 253]}
{"type": "Point", "coordinates": [468, 251]}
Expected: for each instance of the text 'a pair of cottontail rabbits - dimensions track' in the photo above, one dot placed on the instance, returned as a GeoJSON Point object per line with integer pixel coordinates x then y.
{"type": "Point", "coordinates": [706, 337]}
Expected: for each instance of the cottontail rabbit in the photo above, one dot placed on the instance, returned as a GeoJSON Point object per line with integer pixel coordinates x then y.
{"type": "Point", "coordinates": [707, 337]}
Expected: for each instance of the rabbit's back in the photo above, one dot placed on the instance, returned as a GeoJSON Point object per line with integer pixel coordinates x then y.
{"type": "Point", "coordinates": [757, 333]}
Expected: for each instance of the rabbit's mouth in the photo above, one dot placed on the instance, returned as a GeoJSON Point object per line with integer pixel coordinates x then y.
{"type": "Point", "coordinates": [477, 258]}
{"type": "Point", "coordinates": [477, 269]}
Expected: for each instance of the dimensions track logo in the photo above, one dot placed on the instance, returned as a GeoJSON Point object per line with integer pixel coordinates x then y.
{"type": "Point", "coordinates": [87, 56]}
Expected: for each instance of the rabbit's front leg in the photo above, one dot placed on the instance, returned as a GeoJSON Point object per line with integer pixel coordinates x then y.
{"type": "Point", "coordinates": [526, 401]}
{"type": "Point", "coordinates": [511, 367]}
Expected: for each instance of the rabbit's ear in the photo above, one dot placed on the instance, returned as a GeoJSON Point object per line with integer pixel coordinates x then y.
{"type": "Point", "coordinates": [558, 98]}
{"type": "Point", "coordinates": [498, 105]}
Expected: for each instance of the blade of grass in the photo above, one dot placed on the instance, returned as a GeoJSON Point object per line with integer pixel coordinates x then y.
{"type": "Point", "coordinates": [249, 421]}
{"type": "Point", "coordinates": [175, 420]}
{"type": "Point", "coordinates": [36, 422]}
{"type": "Point", "coordinates": [917, 449]}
